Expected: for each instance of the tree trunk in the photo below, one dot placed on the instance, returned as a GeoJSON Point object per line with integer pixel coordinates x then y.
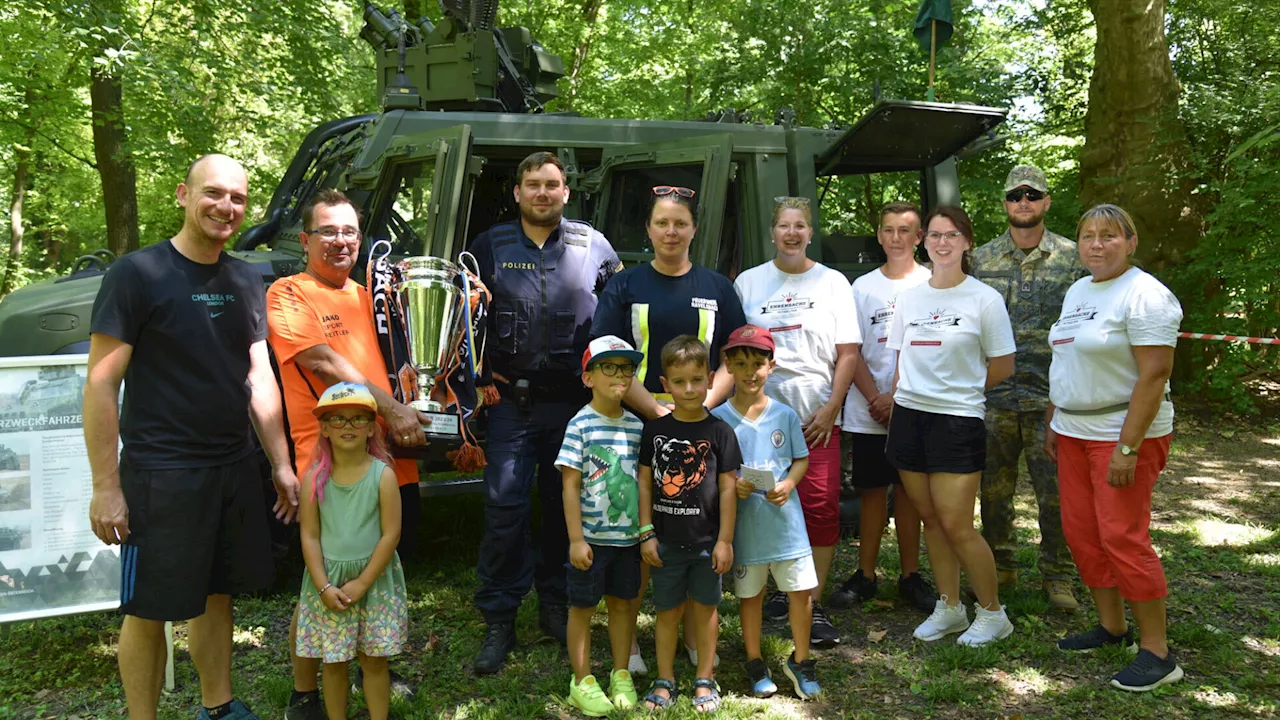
{"type": "Point", "coordinates": [1135, 144]}
{"type": "Point", "coordinates": [21, 170]}
{"type": "Point", "coordinates": [22, 166]}
{"type": "Point", "coordinates": [590, 13]}
{"type": "Point", "coordinates": [111, 149]}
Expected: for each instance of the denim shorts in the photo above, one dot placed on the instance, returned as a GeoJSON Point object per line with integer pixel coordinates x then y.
{"type": "Point", "coordinates": [686, 573]}
{"type": "Point", "coordinates": [614, 571]}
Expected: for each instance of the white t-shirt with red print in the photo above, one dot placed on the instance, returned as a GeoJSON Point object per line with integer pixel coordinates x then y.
{"type": "Point", "coordinates": [808, 313]}
{"type": "Point", "coordinates": [943, 339]}
{"type": "Point", "coordinates": [1093, 365]}
{"type": "Point", "coordinates": [876, 298]}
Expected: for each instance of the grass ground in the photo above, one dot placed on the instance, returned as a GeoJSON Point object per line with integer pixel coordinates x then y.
{"type": "Point", "coordinates": [1216, 525]}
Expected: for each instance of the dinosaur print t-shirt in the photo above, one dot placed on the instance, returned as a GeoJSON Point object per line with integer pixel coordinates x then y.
{"type": "Point", "coordinates": [605, 451]}
{"type": "Point", "coordinates": [687, 459]}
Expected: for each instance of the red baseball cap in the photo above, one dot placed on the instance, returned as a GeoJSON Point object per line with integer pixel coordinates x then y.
{"type": "Point", "coordinates": [752, 336]}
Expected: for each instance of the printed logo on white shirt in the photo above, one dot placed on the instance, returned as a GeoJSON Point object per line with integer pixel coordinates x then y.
{"type": "Point", "coordinates": [1082, 312]}
{"type": "Point", "coordinates": [786, 303]}
{"type": "Point", "coordinates": [884, 315]}
{"type": "Point", "coordinates": [936, 319]}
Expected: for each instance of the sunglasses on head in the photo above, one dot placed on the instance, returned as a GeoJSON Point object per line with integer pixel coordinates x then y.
{"type": "Point", "coordinates": [683, 192]}
{"type": "Point", "coordinates": [1017, 194]}
{"type": "Point", "coordinates": [799, 200]}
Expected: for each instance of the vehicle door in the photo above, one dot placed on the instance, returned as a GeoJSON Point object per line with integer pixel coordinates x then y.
{"type": "Point", "coordinates": [625, 179]}
{"type": "Point", "coordinates": [421, 187]}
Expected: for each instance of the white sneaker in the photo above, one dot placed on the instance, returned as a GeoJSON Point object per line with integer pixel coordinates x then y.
{"type": "Point", "coordinates": [988, 626]}
{"type": "Point", "coordinates": [693, 657]}
{"type": "Point", "coordinates": [636, 666]}
{"type": "Point", "coordinates": [944, 621]}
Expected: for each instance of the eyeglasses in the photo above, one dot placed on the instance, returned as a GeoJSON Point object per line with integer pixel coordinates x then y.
{"type": "Point", "coordinates": [611, 369]}
{"type": "Point", "coordinates": [330, 234]}
{"type": "Point", "coordinates": [337, 422]}
{"type": "Point", "coordinates": [936, 236]}
{"type": "Point", "coordinates": [683, 192]}
{"type": "Point", "coordinates": [1017, 194]}
{"type": "Point", "coordinates": [796, 199]}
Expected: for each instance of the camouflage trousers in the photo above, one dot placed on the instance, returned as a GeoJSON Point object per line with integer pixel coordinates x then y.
{"type": "Point", "coordinates": [1010, 433]}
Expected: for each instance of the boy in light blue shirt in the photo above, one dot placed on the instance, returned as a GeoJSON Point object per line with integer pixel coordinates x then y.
{"type": "Point", "coordinates": [771, 535]}
{"type": "Point", "coordinates": [597, 463]}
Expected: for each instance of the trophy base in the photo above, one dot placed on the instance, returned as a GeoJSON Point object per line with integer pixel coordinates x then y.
{"type": "Point", "coordinates": [439, 426]}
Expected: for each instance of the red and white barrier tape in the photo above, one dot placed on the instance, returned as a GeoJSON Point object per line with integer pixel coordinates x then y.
{"type": "Point", "coordinates": [1230, 338]}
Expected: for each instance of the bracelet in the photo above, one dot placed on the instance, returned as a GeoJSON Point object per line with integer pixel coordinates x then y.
{"type": "Point", "coordinates": [651, 535]}
{"type": "Point", "coordinates": [326, 587]}
{"type": "Point", "coordinates": [645, 528]}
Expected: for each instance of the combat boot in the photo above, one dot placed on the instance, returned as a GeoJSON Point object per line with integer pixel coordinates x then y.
{"type": "Point", "coordinates": [1060, 595]}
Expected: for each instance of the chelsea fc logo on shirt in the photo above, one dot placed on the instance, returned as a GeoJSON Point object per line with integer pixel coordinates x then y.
{"type": "Point", "coordinates": [777, 438]}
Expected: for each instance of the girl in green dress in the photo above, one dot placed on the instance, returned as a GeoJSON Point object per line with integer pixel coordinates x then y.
{"type": "Point", "coordinates": [353, 601]}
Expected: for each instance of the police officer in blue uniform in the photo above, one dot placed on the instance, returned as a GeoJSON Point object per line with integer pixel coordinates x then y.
{"type": "Point", "coordinates": [544, 272]}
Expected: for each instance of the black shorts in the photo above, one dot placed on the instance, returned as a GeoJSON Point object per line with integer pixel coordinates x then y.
{"type": "Point", "coordinates": [614, 571]}
{"type": "Point", "coordinates": [410, 517]}
{"type": "Point", "coordinates": [193, 532]}
{"type": "Point", "coordinates": [926, 442]}
{"type": "Point", "coordinates": [865, 462]}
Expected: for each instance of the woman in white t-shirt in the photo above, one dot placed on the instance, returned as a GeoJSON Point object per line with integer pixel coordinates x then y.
{"type": "Point", "coordinates": [954, 342]}
{"type": "Point", "coordinates": [1110, 422]}
{"type": "Point", "coordinates": [808, 307]}
{"type": "Point", "coordinates": [866, 417]}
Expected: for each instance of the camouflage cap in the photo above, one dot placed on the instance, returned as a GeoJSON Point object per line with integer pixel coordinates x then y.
{"type": "Point", "coordinates": [1029, 175]}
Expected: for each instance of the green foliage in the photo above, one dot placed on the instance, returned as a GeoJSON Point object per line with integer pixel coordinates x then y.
{"type": "Point", "coordinates": [251, 79]}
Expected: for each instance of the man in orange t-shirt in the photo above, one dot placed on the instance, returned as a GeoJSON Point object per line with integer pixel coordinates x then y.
{"type": "Point", "coordinates": [320, 325]}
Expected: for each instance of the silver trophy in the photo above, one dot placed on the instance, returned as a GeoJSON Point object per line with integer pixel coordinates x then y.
{"type": "Point", "coordinates": [431, 304]}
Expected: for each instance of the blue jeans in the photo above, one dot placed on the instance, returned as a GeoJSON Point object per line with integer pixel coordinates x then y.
{"type": "Point", "coordinates": [522, 445]}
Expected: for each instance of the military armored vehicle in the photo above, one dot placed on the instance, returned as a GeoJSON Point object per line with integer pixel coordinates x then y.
{"type": "Point", "coordinates": [8, 460]}
{"type": "Point", "coordinates": [463, 103]}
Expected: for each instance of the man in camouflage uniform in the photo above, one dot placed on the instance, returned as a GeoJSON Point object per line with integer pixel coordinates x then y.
{"type": "Point", "coordinates": [1031, 267]}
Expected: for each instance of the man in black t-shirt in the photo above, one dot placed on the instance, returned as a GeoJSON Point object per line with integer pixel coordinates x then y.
{"type": "Point", "coordinates": [184, 326]}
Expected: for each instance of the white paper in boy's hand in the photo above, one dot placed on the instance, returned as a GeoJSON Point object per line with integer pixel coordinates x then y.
{"type": "Point", "coordinates": [762, 479]}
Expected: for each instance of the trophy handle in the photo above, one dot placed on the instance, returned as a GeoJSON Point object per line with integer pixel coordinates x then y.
{"type": "Point", "coordinates": [379, 251]}
{"type": "Point", "coordinates": [474, 266]}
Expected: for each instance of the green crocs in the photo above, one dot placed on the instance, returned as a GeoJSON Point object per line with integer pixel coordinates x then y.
{"type": "Point", "coordinates": [589, 697]}
{"type": "Point", "coordinates": [622, 691]}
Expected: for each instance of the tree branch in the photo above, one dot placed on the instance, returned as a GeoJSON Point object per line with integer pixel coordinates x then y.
{"type": "Point", "coordinates": [52, 141]}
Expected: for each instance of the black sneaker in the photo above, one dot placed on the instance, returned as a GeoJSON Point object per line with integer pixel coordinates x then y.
{"type": "Point", "coordinates": [308, 707]}
{"type": "Point", "coordinates": [856, 590]}
{"type": "Point", "coordinates": [499, 640]}
{"type": "Point", "coordinates": [1148, 672]}
{"type": "Point", "coordinates": [1094, 639]}
{"type": "Point", "coordinates": [762, 685]}
{"type": "Point", "coordinates": [823, 634]}
{"type": "Point", "coordinates": [917, 592]}
{"type": "Point", "coordinates": [554, 621]}
{"type": "Point", "coordinates": [777, 606]}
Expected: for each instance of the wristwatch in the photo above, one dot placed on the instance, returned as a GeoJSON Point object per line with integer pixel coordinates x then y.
{"type": "Point", "coordinates": [1126, 450]}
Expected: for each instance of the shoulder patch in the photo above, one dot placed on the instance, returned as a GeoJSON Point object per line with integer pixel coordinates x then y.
{"type": "Point", "coordinates": [577, 232]}
{"type": "Point", "coordinates": [503, 234]}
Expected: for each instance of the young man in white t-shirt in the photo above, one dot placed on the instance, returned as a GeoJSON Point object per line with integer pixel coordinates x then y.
{"type": "Point", "coordinates": [866, 417]}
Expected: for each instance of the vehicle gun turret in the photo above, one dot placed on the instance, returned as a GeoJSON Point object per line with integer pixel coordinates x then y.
{"type": "Point", "coordinates": [463, 63]}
